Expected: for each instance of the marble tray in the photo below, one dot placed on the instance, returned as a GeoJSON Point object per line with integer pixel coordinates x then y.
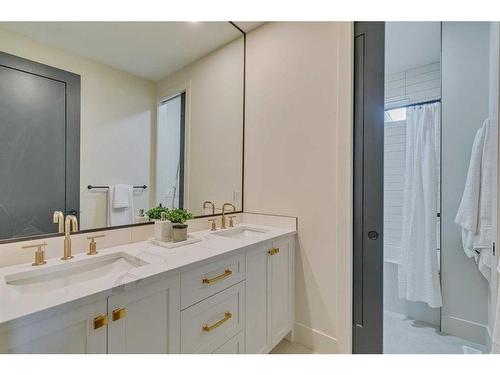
{"type": "Point", "coordinates": [171, 245]}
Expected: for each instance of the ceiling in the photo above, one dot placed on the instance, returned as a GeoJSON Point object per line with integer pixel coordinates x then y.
{"type": "Point", "coordinates": [411, 44]}
{"type": "Point", "coordinates": [247, 26]}
{"type": "Point", "coordinates": [152, 50]}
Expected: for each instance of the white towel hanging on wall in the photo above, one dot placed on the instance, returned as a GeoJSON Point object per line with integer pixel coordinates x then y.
{"type": "Point", "coordinates": [475, 213]}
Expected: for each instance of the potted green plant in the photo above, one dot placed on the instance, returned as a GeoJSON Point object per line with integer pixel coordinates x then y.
{"type": "Point", "coordinates": [178, 218]}
{"type": "Point", "coordinates": [155, 212]}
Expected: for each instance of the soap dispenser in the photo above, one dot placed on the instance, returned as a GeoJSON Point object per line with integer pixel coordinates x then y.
{"type": "Point", "coordinates": [141, 217]}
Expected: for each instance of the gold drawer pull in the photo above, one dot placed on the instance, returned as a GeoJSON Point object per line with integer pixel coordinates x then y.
{"type": "Point", "coordinates": [217, 278]}
{"type": "Point", "coordinates": [100, 321]}
{"type": "Point", "coordinates": [274, 251]}
{"type": "Point", "coordinates": [227, 316]}
{"type": "Point", "coordinates": [119, 313]}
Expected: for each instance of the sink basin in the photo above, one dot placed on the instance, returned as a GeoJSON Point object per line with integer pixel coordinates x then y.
{"type": "Point", "coordinates": [241, 233]}
{"type": "Point", "coordinates": [48, 278]}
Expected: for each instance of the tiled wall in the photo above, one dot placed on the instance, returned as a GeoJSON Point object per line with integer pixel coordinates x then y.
{"type": "Point", "coordinates": [13, 253]}
{"type": "Point", "coordinates": [394, 172]}
{"type": "Point", "coordinates": [413, 86]}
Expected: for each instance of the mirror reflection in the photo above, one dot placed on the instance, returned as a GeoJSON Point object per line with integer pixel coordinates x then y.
{"type": "Point", "coordinates": [107, 120]}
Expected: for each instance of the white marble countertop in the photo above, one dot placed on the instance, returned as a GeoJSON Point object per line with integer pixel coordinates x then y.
{"type": "Point", "coordinates": [17, 306]}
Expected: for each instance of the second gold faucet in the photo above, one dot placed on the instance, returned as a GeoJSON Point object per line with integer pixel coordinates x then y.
{"type": "Point", "coordinates": [223, 220]}
{"type": "Point", "coordinates": [70, 225]}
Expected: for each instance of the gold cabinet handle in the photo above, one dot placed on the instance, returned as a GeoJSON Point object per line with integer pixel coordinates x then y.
{"type": "Point", "coordinates": [226, 273]}
{"type": "Point", "coordinates": [274, 251]}
{"type": "Point", "coordinates": [100, 321]}
{"type": "Point", "coordinates": [119, 313]}
{"type": "Point", "coordinates": [207, 328]}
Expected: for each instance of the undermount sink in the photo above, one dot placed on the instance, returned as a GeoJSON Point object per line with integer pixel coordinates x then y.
{"type": "Point", "coordinates": [241, 233]}
{"type": "Point", "coordinates": [48, 278]}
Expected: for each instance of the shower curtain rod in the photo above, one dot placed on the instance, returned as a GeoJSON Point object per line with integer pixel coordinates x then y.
{"type": "Point", "coordinates": [415, 104]}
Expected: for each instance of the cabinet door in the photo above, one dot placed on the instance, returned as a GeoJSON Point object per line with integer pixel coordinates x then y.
{"type": "Point", "coordinates": [69, 332]}
{"type": "Point", "coordinates": [145, 319]}
{"type": "Point", "coordinates": [281, 288]}
{"type": "Point", "coordinates": [256, 327]}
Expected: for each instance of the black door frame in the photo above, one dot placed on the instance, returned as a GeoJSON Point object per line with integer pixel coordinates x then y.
{"type": "Point", "coordinates": [368, 159]}
{"type": "Point", "coordinates": [72, 96]}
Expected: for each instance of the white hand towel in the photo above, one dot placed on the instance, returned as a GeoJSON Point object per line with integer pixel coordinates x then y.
{"type": "Point", "coordinates": [468, 212]}
{"type": "Point", "coordinates": [475, 214]}
{"type": "Point", "coordinates": [120, 216]}
{"type": "Point", "coordinates": [121, 196]}
{"type": "Point", "coordinates": [488, 166]}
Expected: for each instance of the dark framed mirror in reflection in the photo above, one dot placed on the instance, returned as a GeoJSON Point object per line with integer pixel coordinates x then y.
{"type": "Point", "coordinates": [108, 121]}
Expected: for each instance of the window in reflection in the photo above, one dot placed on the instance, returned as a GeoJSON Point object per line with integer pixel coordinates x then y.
{"type": "Point", "coordinates": [170, 152]}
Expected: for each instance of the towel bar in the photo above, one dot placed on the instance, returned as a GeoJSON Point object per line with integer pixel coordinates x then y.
{"type": "Point", "coordinates": [107, 187]}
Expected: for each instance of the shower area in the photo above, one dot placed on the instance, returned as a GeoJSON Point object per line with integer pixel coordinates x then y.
{"type": "Point", "coordinates": [440, 183]}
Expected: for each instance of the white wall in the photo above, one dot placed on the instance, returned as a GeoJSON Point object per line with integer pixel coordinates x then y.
{"type": "Point", "coordinates": [494, 66]}
{"type": "Point", "coordinates": [214, 128]}
{"type": "Point", "coordinates": [117, 112]}
{"type": "Point", "coordinates": [298, 162]}
{"type": "Point", "coordinates": [464, 108]}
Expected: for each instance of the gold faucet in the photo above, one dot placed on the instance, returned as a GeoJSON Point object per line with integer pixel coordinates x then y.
{"type": "Point", "coordinates": [59, 219]}
{"type": "Point", "coordinates": [70, 224]}
{"type": "Point", "coordinates": [223, 220]}
{"type": "Point", "coordinates": [209, 203]}
{"type": "Point", "coordinates": [39, 254]}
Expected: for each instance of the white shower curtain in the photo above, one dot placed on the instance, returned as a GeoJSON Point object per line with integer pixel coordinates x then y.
{"type": "Point", "coordinates": [418, 270]}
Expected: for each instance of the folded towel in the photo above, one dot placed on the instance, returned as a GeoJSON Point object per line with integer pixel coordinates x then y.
{"type": "Point", "coordinates": [121, 196]}
{"type": "Point", "coordinates": [122, 215]}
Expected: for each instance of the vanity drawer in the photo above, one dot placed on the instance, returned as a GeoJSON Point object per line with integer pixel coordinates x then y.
{"type": "Point", "coordinates": [208, 325]}
{"type": "Point", "coordinates": [236, 345]}
{"type": "Point", "coordinates": [205, 281]}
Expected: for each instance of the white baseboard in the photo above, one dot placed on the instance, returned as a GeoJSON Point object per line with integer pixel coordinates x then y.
{"type": "Point", "coordinates": [466, 329]}
{"type": "Point", "coordinates": [489, 337]}
{"type": "Point", "coordinates": [315, 340]}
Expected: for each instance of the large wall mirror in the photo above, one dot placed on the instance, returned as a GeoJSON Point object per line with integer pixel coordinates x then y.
{"type": "Point", "coordinates": [107, 120]}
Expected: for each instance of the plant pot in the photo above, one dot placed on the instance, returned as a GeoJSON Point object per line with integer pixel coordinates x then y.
{"type": "Point", "coordinates": [179, 232]}
{"type": "Point", "coordinates": [163, 230]}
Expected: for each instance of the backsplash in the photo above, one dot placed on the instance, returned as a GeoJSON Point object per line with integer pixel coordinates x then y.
{"type": "Point", "coordinates": [13, 253]}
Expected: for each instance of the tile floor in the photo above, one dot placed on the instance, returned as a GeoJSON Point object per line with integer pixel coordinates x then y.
{"type": "Point", "coordinates": [405, 336]}
{"type": "Point", "coordinates": [287, 347]}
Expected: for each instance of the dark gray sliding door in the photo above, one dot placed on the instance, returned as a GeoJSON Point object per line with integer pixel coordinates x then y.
{"type": "Point", "coordinates": [182, 150]}
{"type": "Point", "coordinates": [368, 186]}
{"type": "Point", "coordinates": [39, 146]}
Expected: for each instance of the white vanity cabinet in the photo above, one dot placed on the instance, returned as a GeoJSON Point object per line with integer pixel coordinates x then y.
{"type": "Point", "coordinates": [269, 294]}
{"type": "Point", "coordinates": [235, 345]}
{"type": "Point", "coordinates": [241, 302]}
{"type": "Point", "coordinates": [145, 319]}
{"type": "Point", "coordinates": [77, 331]}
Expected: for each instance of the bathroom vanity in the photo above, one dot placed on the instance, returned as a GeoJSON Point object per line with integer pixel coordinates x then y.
{"type": "Point", "coordinates": [232, 292]}
{"type": "Point", "coordinates": [135, 137]}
